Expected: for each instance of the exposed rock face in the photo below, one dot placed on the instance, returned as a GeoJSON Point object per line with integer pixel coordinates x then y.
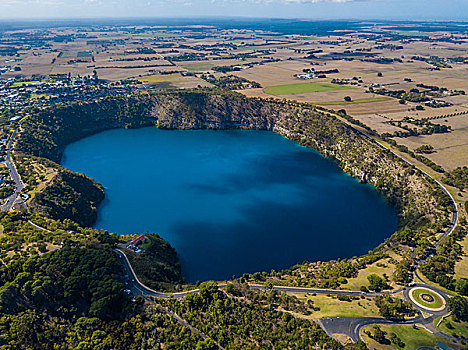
{"type": "Point", "coordinates": [47, 133]}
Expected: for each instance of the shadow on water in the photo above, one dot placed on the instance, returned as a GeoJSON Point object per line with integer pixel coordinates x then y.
{"type": "Point", "coordinates": [231, 202]}
{"type": "Point", "coordinates": [254, 172]}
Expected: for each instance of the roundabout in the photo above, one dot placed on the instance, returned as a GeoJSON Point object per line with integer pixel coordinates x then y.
{"type": "Point", "coordinates": [427, 299]}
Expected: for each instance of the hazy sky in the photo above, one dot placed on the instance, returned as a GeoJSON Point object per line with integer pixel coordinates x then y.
{"type": "Point", "coordinates": [372, 9]}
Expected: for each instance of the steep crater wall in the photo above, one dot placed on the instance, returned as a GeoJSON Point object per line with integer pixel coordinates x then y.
{"type": "Point", "coordinates": [46, 134]}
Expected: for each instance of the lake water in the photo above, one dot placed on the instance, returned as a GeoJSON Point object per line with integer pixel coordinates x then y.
{"type": "Point", "coordinates": [231, 201]}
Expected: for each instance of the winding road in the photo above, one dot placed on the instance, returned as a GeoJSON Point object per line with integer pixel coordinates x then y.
{"type": "Point", "coordinates": [348, 326]}
{"type": "Point", "coordinates": [19, 185]}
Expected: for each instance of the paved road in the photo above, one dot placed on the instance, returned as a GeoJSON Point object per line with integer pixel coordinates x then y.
{"type": "Point", "coordinates": [348, 326]}
{"type": "Point", "coordinates": [353, 325]}
{"type": "Point", "coordinates": [139, 288]}
{"type": "Point", "coordinates": [19, 185]}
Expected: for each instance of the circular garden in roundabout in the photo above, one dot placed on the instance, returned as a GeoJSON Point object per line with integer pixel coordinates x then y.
{"type": "Point", "coordinates": [427, 299]}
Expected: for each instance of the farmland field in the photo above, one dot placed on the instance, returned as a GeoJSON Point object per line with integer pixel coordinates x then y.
{"type": "Point", "coordinates": [291, 89]}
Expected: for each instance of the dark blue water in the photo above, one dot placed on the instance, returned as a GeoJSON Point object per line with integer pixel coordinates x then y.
{"type": "Point", "coordinates": [231, 201]}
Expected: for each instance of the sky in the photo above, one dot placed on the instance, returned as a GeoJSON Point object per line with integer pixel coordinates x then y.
{"type": "Point", "coordinates": [307, 9]}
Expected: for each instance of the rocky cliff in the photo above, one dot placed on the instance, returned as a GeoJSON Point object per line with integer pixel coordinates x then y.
{"type": "Point", "coordinates": [416, 197]}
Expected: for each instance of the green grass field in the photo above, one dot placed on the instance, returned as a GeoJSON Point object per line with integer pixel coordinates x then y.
{"type": "Point", "coordinates": [413, 338]}
{"type": "Point", "coordinates": [355, 283]}
{"type": "Point", "coordinates": [291, 89]}
{"type": "Point", "coordinates": [413, 33]}
{"type": "Point", "coordinates": [24, 83]}
{"type": "Point", "coordinates": [438, 301]}
{"type": "Point", "coordinates": [84, 54]}
{"type": "Point", "coordinates": [333, 307]}
{"type": "Point", "coordinates": [449, 326]}
{"type": "Point", "coordinates": [198, 67]}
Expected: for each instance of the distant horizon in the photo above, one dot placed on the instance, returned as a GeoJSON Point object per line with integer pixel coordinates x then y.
{"type": "Point", "coordinates": [209, 17]}
{"type": "Point", "coordinates": [407, 10]}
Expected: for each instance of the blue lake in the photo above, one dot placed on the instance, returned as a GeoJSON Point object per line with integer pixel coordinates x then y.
{"type": "Point", "coordinates": [231, 201]}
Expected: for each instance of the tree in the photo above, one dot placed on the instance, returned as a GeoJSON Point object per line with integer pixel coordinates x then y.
{"type": "Point", "coordinates": [379, 335]}
{"type": "Point", "coordinates": [461, 286]}
{"type": "Point", "coordinates": [458, 306]}
{"type": "Point", "coordinates": [207, 344]}
{"type": "Point", "coordinates": [377, 283]}
{"type": "Point", "coordinates": [393, 308]}
{"type": "Point", "coordinates": [208, 290]}
{"type": "Point", "coordinates": [397, 340]}
{"type": "Point", "coordinates": [347, 98]}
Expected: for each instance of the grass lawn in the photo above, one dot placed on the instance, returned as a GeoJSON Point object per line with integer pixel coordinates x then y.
{"type": "Point", "coordinates": [450, 327]}
{"type": "Point", "coordinates": [418, 294]}
{"type": "Point", "coordinates": [300, 88]}
{"type": "Point", "coordinates": [332, 307]}
{"type": "Point", "coordinates": [380, 267]}
{"type": "Point", "coordinates": [413, 338]}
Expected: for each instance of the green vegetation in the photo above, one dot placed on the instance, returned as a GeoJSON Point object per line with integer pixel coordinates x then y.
{"type": "Point", "coordinates": [70, 196]}
{"type": "Point", "coordinates": [71, 296]}
{"type": "Point", "coordinates": [440, 268]}
{"type": "Point", "coordinates": [231, 82]}
{"type": "Point", "coordinates": [239, 318]}
{"type": "Point", "coordinates": [339, 306]}
{"type": "Point", "coordinates": [424, 149]}
{"type": "Point", "coordinates": [411, 337]}
{"type": "Point", "coordinates": [394, 308]}
{"type": "Point", "coordinates": [402, 273]}
{"type": "Point", "coordinates": [419, 294]}
{"type": "Point", "coordinates": [245, 324]}
{"type": "Point", "coordinates": [376, 282]}
{"type": "Point", "coordinates": [301, 88]}
{"type": "Point", "coordinates": [24, 83]}
{"type": "Point", "coordinates": [414, 95]}
{"type": "Point", "coordinates": [240, 41]}
{"type": "Point", "coordinates": [46, 133]}
{"type": "Point", "coordinates": [67, 282]}
{"type": "Point", "coordinates": [157, 266]}
{"type": "Point", "coordinates": [455, 328]}
{"type": "Point", "coordinates": [457, 178]}
{"type": "Point", "coordinates": [85, 54]}
{"type": "Point", "coordinates": [458, 306]}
